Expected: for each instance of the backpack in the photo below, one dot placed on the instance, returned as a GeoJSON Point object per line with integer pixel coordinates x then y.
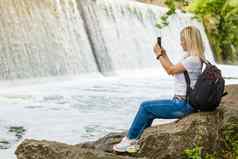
{"type": "Point", "coordinates": [208, 90]}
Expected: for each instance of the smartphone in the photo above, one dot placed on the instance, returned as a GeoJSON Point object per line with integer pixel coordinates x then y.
{"type": "Point", "coordinates": [159, 41]}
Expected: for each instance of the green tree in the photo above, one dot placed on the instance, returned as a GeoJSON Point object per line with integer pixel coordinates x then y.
{"type": "Point", "coordinates": [220, 18]}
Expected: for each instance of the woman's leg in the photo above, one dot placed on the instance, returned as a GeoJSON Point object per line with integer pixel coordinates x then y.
{"type": "Point", "coordinates": [149, 110]}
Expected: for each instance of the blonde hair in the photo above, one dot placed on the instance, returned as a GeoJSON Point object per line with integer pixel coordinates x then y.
{"type": "Point", "coordinates": [193, 41]}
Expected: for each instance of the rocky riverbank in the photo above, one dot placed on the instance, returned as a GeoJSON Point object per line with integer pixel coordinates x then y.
{"type": "Point", "coordinates": [208, 134]}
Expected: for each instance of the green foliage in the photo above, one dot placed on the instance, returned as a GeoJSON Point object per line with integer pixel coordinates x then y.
{"type": "Point", "coordinates": [171, 4]}
{"type": "Point", "coordinates": [220, 18]}
{"type": "Point", "coordinates": [231, 137]}
{"type": "Point", "coordinates": [196, 153]}
{"type": "Point", "coordinates": [209, 156]}
{"type": "Point", "coordinates": [204, 7]}
{"type": "Point", "coordinates": [164, 19]}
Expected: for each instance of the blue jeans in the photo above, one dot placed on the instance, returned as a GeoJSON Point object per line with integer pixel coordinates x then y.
{"type": "Point", "coordinates": [164, 109]}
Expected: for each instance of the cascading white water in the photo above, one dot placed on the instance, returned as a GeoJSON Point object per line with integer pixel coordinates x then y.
{"type": "Point", "coordinates": [69, 37]}
{"type": "Point", "coordinates": [123, 33]}
{"type": "Point", "coordinates": [42, 38]}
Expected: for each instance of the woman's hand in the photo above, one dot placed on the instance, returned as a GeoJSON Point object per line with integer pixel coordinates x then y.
{"type": "Point", "coordinates": [158, 50]}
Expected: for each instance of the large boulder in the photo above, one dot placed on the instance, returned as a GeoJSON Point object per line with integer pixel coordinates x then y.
{"type": "Point", "coordinates": [213, 132]}
{"type": "Point", "coordinates": [33, 149]}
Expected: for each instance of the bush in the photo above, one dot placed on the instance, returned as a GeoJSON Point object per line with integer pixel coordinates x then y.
{"type": "Point", "coordinates": [220, 18]}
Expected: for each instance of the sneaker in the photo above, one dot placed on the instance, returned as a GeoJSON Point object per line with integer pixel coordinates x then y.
{"type": "Point", "coordinates": [133, 148]}
{"type": "Point", "coordinates": [125, 145]}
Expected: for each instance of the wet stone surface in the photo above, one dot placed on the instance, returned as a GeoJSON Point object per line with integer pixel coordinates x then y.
{"type": "Point", "coordinates": [11, 135]}
{"type": "Point", "coordinates": [17, 130]}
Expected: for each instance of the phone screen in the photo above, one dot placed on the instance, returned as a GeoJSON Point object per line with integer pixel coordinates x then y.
{"type": "Point", "coordinates": [159, 41]}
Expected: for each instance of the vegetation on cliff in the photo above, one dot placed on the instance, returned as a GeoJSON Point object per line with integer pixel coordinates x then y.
{"type": "Point", "coordinates": [220, 18]}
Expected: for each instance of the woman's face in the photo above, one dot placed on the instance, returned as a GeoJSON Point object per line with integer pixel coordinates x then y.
{"type": "Point", "coordinates": [183, 44]}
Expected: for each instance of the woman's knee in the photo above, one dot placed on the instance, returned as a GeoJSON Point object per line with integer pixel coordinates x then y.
{"type": "Point", "coordinates": [147, 112]}
{"type": "Point", "coordinates": [145, 105]}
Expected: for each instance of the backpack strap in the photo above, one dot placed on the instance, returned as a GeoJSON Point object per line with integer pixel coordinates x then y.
{"type": "Point", "coordinates": [204, 61]}
{"type": "Point", "coordinates": [187, 79]}
{"type": "Point", "coordinates": [224, 94]}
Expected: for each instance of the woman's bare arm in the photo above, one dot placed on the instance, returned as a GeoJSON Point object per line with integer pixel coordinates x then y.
{"type": "Point", "coordinates": [169, 67]}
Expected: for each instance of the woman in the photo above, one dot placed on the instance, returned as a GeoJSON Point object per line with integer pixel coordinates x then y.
{"type": "Point", "coordinates": [191, 42]}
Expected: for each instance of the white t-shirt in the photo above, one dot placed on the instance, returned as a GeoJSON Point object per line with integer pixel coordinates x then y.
{"type": "Point", "coordinates": [193, 66]}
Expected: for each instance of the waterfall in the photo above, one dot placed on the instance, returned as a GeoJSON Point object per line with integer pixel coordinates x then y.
{"type": "Point", "coordinates": [43, 38]}
{"type": "Point", "coordinates": [74, 37]}
{"type": "Point", "coordinates": [123, 33]}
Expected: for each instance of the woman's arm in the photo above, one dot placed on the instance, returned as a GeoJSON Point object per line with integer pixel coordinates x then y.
{"type": "Point", "coordinates": [169, 67]}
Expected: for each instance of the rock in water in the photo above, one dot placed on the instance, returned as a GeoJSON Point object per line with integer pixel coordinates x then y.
{"type": "Point", "coordinates": [214, 132]}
